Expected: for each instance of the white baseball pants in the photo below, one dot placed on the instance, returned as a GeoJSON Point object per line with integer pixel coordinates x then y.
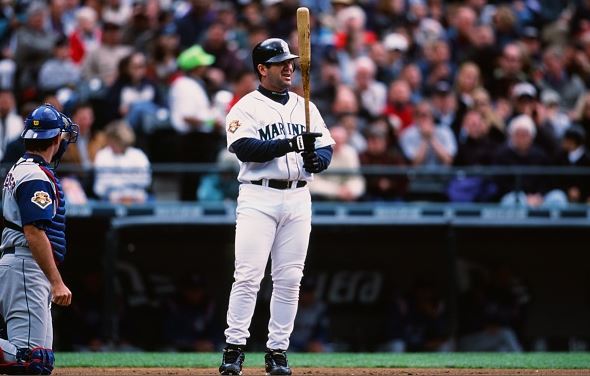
{"type": "Point", "coordinates": [276, 223]}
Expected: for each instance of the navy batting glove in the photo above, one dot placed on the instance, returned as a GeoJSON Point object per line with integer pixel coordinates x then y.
{"type": "Point", "coordinates": [304, 142]}
{"type": "Point", "coordinates": [311, 162]}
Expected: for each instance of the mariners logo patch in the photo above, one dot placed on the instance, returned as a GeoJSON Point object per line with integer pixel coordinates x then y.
{"type": "Point", "coordinates": [233, 126]}
{"type": "Point", "coordinates": [41, 199]}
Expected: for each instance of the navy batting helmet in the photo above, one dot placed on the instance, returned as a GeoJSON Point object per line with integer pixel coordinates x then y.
{"type": "Point", "coordinates": [46, 122]}
{"type": "Point", "coordinates": [273, 50]}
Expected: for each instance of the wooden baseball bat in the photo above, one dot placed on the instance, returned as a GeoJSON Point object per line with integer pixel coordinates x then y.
{"type": "Point", "coordinates": [303, 31]}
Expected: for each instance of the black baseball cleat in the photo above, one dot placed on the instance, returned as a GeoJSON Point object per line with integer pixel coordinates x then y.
{"type": "Point", "coordinates": [275, 362]}
{"type": "Point", "coordinates": [231, 363]}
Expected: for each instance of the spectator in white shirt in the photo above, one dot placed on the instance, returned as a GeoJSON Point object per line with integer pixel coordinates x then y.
{"type": "Point", "coordinates": [372, 93]}
{"type": "Point", "coordinates": [199, 133]}
{"type": "Point", "coordinates": [122, 171]}
{"type": "Point", "coordinates": [340, 187]}
{"type": "Point", "coordinates": [11, 124]}
{"type": "Point", "coordinates": [190, 107]}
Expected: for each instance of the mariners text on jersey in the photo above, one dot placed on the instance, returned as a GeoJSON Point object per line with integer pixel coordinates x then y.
{"type": "Point", "coordinates": [271, 131]}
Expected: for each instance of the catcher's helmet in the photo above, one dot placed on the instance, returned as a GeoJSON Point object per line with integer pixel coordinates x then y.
{"type": "Point", "coordinates": [273, 50]}
{"type": "Point", "coordinates": [46, 122]}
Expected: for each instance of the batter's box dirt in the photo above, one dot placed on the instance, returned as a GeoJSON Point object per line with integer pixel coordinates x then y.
{"type": "Point", "coordinates": [326, 371]}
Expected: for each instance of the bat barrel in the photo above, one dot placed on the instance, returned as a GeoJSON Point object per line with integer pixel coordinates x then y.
{"type": "Point", "coordinates": [303, 32]}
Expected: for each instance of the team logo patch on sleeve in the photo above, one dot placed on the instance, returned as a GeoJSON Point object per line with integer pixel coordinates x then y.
{"type": "Point", "coordinates": [41, 199]}
{"type": "Point", "coordinates": [233, 126]}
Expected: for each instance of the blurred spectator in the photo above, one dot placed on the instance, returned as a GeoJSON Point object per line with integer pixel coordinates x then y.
{"type": "Point", "coordinates": [83, 153]}
{"type": "Point", "coordinates": [399, 105]}
{"type": "Point", "coordinates": [390, 56]}
{"type": "Point", "coordinates": [86, 34]}
{"type": "Point", "coordinates": [460, 34]}
{"type": "Point", "coordinates": [558, 119]}
{"type": "Point", "coordinates": [372, 93]}
{"type": "Point", "coordinates": [581, 115]}
{"type": "Point", "coordinates": [116, 11]}
{"type": "Point", "coordinates": [312, 323]}
{"type": "Point", "coordinates": [102, 61]}
{"type": "Point", "coordinates": [15, 148]}
{"type": "Point", "coordinates": [222, 185]}
{"type": "Point", "coordinates": [531, 43]}
{"type": "Point", "coordinates": [412, 75]}
{"type": "Point", "coordinates": [226, 58]}
{"type": "Point", "coordinates": [198, 131]}
{"type": "Point", "coordinates": [556, 77]}
{"type": "Point", "coordinates": [444, 104]}
{"type": "Point", "coordinates": [163, 54]}
{"type": "Point", "coordinates": [383, 187]}
{"type": "Point", "coordinates": [436, 64]}
{"type": "Point", "coordinates": [344, 113]}
{"type": "Point", "coordinates": [188, 322]}
{"type": "Point", "coordinates": [466, 82]}
{"type": "Point", "coordinates": [192, 25]}
{"type": "Point", "coordinates": [475, 148]}
{"type": "Point", "coordinates": [508, 72]}
{"type": "Point", "coordinates": [484, 51]}
{"type": "Point", "coordinates": [524, 99]}
{"type": "Point", "coordinates": [122, 171]}
{"type": "Point", "coordinates": [505, 24]}
{"type": "Point", "coordinates": [351, 39]}
{"type": "Point", "coordinates": [426, 144]}
{"type": "Point", "coordinates": [520, 150]}
{"type": "Point", "coordinates": [341, 187]}
{"type": "Point", "coordinates": [133, 96]}
{"type": "Point", "coordinates": [492, 311]}
{"type": "Point", "coordinates": [325, 91]}
{"type": "Point", "coordinates": [59, 71]}
{"type": "Point", "coordinates": [11, 124]}
{"type": "Point", "coordinates": [142, 27]}
{"type": "Point", "coordinates": [189, 103]}
{"type": "Point", "coordinates": [33, 44]}
{"type": "Point", "coordinates": [243, 83]}
{"type": "Point", "coordinates": [492, 115]}
{"type": "Point", "coordinates": [388, 14]}
{"type": "Point", "coordinates": [575, 154]}
{"type": "Point", "coordinates": [56, 18]}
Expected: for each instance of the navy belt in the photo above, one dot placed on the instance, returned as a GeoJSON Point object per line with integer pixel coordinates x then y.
{"type": "Point", "coordinates": [281, 184]}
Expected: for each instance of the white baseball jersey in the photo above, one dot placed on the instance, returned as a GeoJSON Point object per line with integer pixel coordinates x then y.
{"type": "Point", "coordinates": [257, 116]}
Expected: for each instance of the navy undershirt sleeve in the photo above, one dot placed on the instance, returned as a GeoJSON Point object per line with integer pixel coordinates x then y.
{"type": "Point", "coordinates": [325, 156]}
{"type": "Point", "coordinates": [253, 150]}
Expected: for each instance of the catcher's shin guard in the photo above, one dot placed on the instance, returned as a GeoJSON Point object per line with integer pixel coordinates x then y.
{"type": "Point", "coordinates": [37, 361]}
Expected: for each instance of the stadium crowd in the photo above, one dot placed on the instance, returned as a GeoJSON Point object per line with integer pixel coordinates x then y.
{"type": "Point", "coordinates": [399, 82]}
{"type": "Point", "coordinates": [403, 83]}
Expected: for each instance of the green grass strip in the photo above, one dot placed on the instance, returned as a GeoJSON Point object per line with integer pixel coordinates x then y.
{"type": "Point", "coordinates": [579, 360]}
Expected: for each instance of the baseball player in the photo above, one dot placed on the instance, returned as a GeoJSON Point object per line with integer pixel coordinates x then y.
{"type": "Point", "coordinates": [33, 244]}
{"type": "Point", "coordinates": [265, 129]}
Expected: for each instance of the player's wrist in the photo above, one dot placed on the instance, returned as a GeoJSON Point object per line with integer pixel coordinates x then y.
{"type": "Point", "coordinates": [285, 146]}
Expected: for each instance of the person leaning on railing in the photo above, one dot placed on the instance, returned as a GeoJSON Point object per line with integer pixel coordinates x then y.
{"type": "Point", "coordinates": [519, 150]}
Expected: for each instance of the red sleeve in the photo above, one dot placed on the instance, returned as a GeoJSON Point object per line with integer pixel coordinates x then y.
{"type": "Point", "coordinates": [76, 47]}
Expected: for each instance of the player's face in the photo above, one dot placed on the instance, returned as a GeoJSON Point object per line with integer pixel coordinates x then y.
{"type": "Point", "coordinates": [279, 76]}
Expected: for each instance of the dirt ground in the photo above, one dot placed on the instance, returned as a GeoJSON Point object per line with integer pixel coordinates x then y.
{"type": "Point", "coordinates": [324, 371]}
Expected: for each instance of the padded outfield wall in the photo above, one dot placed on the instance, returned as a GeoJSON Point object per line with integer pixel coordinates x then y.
{"type": "Point", "coordinates": [359, 256]}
